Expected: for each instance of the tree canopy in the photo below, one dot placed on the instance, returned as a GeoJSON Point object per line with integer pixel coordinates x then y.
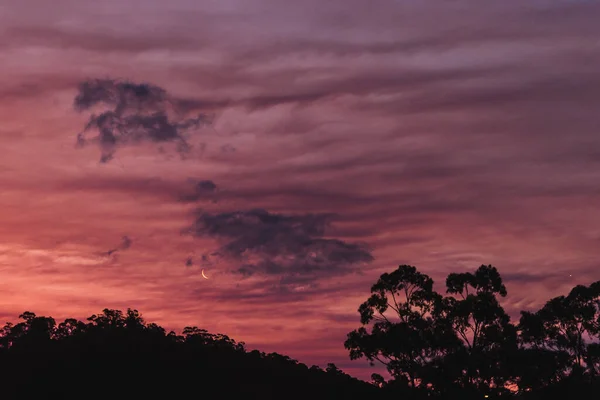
{"type": "Point", "coordinates": [118, 354]}
{"type": "Point", "coordinates": [463, 343]}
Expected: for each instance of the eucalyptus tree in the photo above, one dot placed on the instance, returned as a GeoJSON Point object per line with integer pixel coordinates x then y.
{"type": "Point", "coordinates": [399, 328]}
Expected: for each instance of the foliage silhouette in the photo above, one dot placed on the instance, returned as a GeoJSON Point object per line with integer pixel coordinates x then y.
{"type": "Point", "coordinates": [119, 355]}
{"type": "Point", "coordinates": [458, 345]}
{"type": "Point", "coordinates": [402, 304]}
{"type": "Point", "coordinates": [464, 344]}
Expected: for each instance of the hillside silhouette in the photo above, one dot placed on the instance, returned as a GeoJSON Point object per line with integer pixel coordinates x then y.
{"type": "Point", "coordinates": [462, 345]}
{"type": "Point", "coordinates": [119, 355]}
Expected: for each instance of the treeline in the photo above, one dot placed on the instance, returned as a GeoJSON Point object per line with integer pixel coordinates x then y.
{"type": "Point", "coordinates": [119, 355]}
{"type": "Point", "coordinates": [460, 345]}
{"type": "Point", "coordinates": [464, 345]}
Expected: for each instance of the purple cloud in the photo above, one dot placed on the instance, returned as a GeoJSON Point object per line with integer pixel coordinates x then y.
{"type": "Point", "coordinates": [291, 247]}
{"type": "Point", "coordinates": [138, 112]}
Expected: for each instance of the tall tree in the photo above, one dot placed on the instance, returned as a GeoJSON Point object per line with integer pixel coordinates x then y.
{"type": "Point", "coordinates": [569, 327]}
{"type": "Point", "coordinates": [31, 333]}
{"type": "Point", "coordinates": [483, 327]}
{"type": "Point", "coordinates": [403, 334]}
{"type": "Point", "coordinates": [108, 319]}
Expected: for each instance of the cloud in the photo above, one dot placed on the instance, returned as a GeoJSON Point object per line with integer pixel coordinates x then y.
{"type": "Point", "coordinates": [190, 190]}
{"type": "Point", "coordinates": [200, 190]}
{"type": "Point", "coordinates": [138, 112]}
{"type": "Point", "coordinates": [90, 40]}
{"type": "Point", "coordinates": [463, 135]}
{"type": "Point", "coordinates": [126, 243]}
{"type": "Point", "coordinates": [291, 247]}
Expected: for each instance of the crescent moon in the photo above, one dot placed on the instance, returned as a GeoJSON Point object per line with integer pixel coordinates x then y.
{"type": "Point", "coordinates": [204, 275]}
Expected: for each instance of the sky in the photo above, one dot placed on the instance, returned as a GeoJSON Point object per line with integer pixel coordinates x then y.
{"type": "Point", "coordinates": [294, 151]}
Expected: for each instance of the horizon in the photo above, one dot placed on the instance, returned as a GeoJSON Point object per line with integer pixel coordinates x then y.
{"type": "Point", "coordinates": [341, 140]}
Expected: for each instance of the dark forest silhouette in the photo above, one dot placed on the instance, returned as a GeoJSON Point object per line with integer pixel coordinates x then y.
{"type": "Point", "coordinates": [119, 355]}
{"type": "Point", "coordinates": [462, 345]}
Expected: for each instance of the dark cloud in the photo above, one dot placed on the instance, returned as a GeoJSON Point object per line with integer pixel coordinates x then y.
{"type": "Point", "coordinates": [205, 260]}
{"type": "Point", "coordinates": [200, 190]}
{"type": "Point", "coordinates": [192, 104]}
{"type": "Point", "coordinates": [126, 243]}
{"type": "Point", "coordinates": [291, 247]}
{"type": "Point", "coordinates": [138, 112]}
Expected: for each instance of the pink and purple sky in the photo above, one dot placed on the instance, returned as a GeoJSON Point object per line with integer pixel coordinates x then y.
{"type": "Point", "coordinates": [439, 134]}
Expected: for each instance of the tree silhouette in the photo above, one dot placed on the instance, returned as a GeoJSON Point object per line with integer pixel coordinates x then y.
{"type": "Point", "coordinates": [568, 328]}
{"type": "Point", "coordinates": [464, 344]}
{"type": "Point", "coordinates": [483, 327]}
{"type": "Point", "coordinates": [461, 345]}
{"type": "Point", "coordinates": [118, 354]}
{"type": "Point", "coordinates": [404, 334]}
